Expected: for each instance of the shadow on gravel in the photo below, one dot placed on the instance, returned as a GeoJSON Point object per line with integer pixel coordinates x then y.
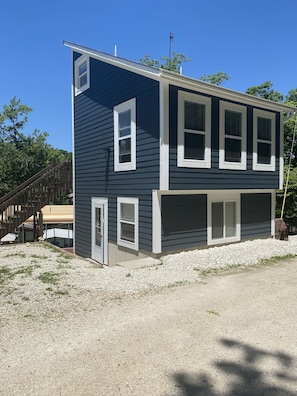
{"type": "Point", "coordinates": [243, 376]}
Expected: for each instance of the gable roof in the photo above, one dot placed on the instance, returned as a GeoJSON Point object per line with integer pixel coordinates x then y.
{"type": "Point", "coordinates": [182, 81]}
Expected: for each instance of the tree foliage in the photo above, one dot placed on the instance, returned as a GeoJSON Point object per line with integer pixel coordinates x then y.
{"type": "Point", "coordinates": [21, 156]}
{"type": "Point", "coordinates": [290, 212]}
{"type": "Point", "coordinates": [167, 63]}
{"type": "Point", "coordinates": [216, 78]}
{"type": "Point", "coordinates": [174, 64]}
{"type": "Point", "coordinates": [265, 91]}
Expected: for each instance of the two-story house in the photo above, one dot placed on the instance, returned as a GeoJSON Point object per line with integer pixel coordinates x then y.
{"type": "Point", "coordinates": [164, 162]}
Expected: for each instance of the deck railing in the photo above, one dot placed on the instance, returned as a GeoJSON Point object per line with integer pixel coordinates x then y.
{"type": "Point", "coordinates": [27, 199]}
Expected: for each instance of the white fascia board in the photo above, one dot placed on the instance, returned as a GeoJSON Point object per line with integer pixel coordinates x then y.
{"type": "Point", "coordinates": [164, 135]}
{"type": "Point", "coordinates": [135, 67]}
{"type": "Point", "coordinates": [224, 93]}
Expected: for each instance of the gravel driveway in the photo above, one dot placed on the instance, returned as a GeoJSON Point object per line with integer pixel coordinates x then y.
{"type": "Point", "coordinates": [69, 327]}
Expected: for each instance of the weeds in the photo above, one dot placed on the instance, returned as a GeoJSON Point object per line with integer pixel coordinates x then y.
{"type": "Point", "coordinates": [49, 277]}
{"type": "Point", "coordinates": [212, 312]}
{"type": "Point", "coordinates": [21, 255]}
{"type": "Point", "coordinates": [37, 256]}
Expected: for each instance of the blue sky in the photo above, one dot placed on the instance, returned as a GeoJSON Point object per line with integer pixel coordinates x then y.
{"type": "Point", "coordinates": [252, 41]}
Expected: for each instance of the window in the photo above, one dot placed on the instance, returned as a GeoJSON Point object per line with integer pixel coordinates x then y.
{"type": "Point", "coordinates": [194, 130]}
{"type": "Point", "coordinates": [223, 218]}
{"type": "Point", "coordinates": [264, 141]}
{"type": "Point", "coordinates": [82, 74]}
{"type": "Point", "coordinates": [127, 225]}
{"type": "Point", "coordinates": [125, 136]}
{"type": "Point", "coordinates": [232, 136]}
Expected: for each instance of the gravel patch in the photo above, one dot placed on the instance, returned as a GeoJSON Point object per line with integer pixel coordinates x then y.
{"type": "Point", "coordinates": [41, 281]}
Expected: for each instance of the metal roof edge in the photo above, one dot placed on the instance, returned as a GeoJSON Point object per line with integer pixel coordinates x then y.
{"type": "Point", "coordinates": [225, 93]}
{"type": "Point", "coordinates": [183, 81]}
{"type": "Point", "coordinates": [116, 60]}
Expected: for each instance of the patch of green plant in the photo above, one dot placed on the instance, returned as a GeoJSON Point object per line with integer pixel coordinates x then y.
{"type": "Point", "coordinates": [37, 256]}
{"type": "Point", "coordinates": [5, 274]}
{"type": "Point", "coordinates": [26, 270]}
{"type": "Point", "coordinates": [213, 271]}
{"type": "Point", "coordinates": [25, 298]}
{"type": "Point", "coordinates": [177, 283]}
{"type": "Point", "coordinates": [21, 255]}
{"type": "Point", "coordinates": [62, 260]}
{"type": "Point", "coordinates": [65, 256]}
{"type": "Point", "coordinates": [128, 274]}
{"type": "Point", "coordinates": [213, 312]}
{"type": "Point", "coordinates": [277, 258]}
{"type": "Point", "coordinates": [49, 277]}
{"type": "Point", "coordinates": [62, 292]}
{"type": "Point", "coordinates": [7, 291]}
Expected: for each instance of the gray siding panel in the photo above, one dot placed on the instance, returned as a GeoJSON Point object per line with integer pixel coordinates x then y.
{"type": "Point", "coordinates": [215, 178]}
{"type": "Point", "coordinates": [255, 215]}
{"type": "Point", "coordinates": [184, 221]}
{"type": "Point", "coordinates": [94, 173]}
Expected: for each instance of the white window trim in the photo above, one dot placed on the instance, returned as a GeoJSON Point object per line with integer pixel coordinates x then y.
{"type": "Point", "coordinates": [78, 90]}
{"type": "Point", "coordinates": [263, 167]}
{"type": "Point", "coordinates": [190, 163]}
{"type": "Point", "coordinates": [121, 242]}
{"type": "Point", "coordinates": [239, 109]}
{"type": "Point", "coordinates": [128, 105]}
{"type": "Point", "coordinates": [222, 197]}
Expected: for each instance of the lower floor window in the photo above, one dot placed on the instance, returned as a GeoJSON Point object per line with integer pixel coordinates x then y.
{"type": "Point", "coordinates": [223, 220]}
{"type": "Point", "coordinates": [127, 224]}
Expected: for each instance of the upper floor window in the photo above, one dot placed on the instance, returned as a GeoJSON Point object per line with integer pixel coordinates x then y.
{"type": "Point", "coordinates": [232, 136]}
{"type": "Point", "coordinates": [125, 136]}
{"type": "Point", "coordinates": [264, 141]}
{"type": "Point", "coordinates": [81, 74]}
{"type": "Point", "coordinates": [194, 130]}
{"type": "Point", "coordinates": [127, 222]}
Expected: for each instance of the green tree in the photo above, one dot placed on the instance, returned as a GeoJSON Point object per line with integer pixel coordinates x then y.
{"type": "Point", "coordinates": [290, 204]}
{"type": "Point", "coordinates": [172, 64]}
{"type": "Point", "coordinates": [265, 91]}
{"type": "Point", "coordinates": [216, 78]}
{"type": "Point", "coordinates": [22, 156]}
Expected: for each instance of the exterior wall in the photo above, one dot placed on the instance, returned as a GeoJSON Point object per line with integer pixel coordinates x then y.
{"type": "Point", "coordinates": [255, 215]}
{"type": "Point", "coordinates": [215, 178]}
{"type": "Point", "coordinates": [94, 132]}
{"type": "Point", "coordinates": [184, 221]}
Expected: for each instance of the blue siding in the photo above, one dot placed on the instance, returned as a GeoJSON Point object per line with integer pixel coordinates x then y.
{"type": "Point", "coordinates": [255, 215]}
{"type": "Point", "coordinates": [184, 222]}
{"type": "Point", "coordinates": [215, 178]}
{"type": "Point", "coordinates": [94, 173]}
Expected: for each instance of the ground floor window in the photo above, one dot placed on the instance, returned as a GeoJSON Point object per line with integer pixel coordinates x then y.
{"type": "Point", "coordinates": [223, 218]}
{"type": "Point", "coordinates": [127, 222]}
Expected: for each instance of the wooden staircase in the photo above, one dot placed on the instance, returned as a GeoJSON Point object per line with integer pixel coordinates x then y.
{"type": "Point", "coordinates": [27, 199]}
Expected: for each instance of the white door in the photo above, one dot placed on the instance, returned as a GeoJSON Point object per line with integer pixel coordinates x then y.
{"type": "Point", "coordinates": [99, 230]}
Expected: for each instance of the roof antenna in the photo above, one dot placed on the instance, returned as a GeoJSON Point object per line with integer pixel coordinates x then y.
{"type": "Point", "coordinates": [170, 41]}
{"type": "Point", "coordinates": [115, 51]}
